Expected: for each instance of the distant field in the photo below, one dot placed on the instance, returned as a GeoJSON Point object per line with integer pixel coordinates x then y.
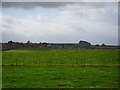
{"type": "Point", "coordinates": [43, 68]}
{"type": "Point", "coordinates": [34, 48]}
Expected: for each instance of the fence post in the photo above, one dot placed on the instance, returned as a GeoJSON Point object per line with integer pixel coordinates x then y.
{"type": "Point", "coordinates": [81, 62]}
{"type": "Point", "coordinates": [16, 61]}
{"type": "Point", "coordinates": [23, 63]}
{"type": "Point", "coordinates": [76, 61]}
{"type": "Point", "coordinates": [101, 62]}
{"type": "Point", "coordinates": [84, 62]}
{"type": "Point", "coordinates": [39, 62]}
{"type": "Point", "coordinates": [111, 62]}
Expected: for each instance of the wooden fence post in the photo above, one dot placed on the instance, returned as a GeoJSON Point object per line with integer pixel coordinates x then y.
{"type": "Point", "coordinates": [39, 62]}
{"type": "Point", "coordinates": [16, 62]}
{"type": "Point", "coordinates": [81, 62]}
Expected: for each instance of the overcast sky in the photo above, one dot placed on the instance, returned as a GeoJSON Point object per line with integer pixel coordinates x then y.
{"type": "Point", "coordinates": [61, 22]}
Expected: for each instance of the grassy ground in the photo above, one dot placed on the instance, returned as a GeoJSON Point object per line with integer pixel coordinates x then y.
{"type": "Point", "coordinates": [88, 56]}
{"type": "Point", "coordinates": [34, 48]}
{"type": "Point", "coordinates": [59, 77]}
{"type": "Point", "coordinates": [60, 68]}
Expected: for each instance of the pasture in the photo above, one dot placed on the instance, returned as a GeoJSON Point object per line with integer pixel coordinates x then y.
{"type": "Point", "coordinates": [50, 68]}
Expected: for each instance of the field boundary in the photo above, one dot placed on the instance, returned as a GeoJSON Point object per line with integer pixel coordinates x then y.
{"type": "Point", "coordinates": [82, 65]}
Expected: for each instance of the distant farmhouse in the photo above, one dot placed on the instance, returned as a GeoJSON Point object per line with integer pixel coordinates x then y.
{"type": "Point", "coordinates": [80, 45]}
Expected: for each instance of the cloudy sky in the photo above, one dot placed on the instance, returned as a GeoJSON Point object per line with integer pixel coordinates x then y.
{"type": "Point", "coordinates": [63, 22]}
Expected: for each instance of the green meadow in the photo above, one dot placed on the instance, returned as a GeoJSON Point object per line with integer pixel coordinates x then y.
{"type": "Point", "coordinates": [50, 68]}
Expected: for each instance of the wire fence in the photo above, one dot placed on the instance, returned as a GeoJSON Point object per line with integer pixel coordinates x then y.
{"type": "Point", "coordinates": [82, 65]}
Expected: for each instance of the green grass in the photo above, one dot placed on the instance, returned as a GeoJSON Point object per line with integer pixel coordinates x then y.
{"type": "Point", "coordinates": [34, 48]}
{"type": "Point", "coordinates": [85, 56]}
{"type": "Point", "coordinates": [59, 77]}
{"type": "Point", "coordinates": [45, 72]}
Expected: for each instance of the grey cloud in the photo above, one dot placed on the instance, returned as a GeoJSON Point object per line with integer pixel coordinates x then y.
{"type": "Point", "coordinates": [32, 5]}
{"type": "Point", "coordinates": [7, 26]}
{"type": "Point", "coordinates": [10, 35]}
{"type": "Point", "coordinates": [66, 26]}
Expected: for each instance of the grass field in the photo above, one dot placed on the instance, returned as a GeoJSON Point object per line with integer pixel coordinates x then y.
{"type": "Point", "coordinates": [47, 68]}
